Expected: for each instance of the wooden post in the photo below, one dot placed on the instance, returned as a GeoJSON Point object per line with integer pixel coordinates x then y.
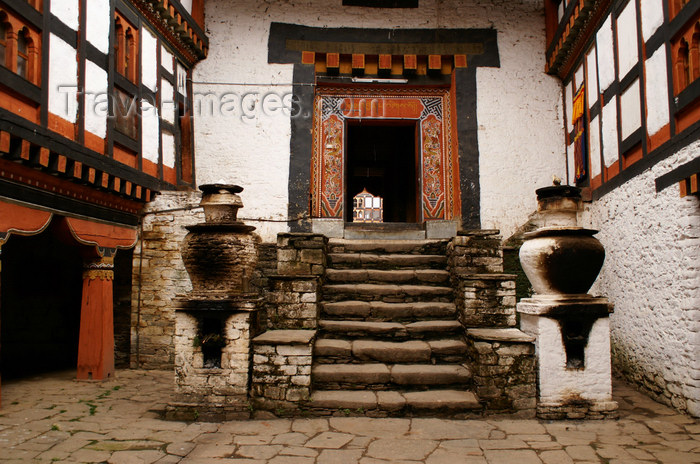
{"type": "Point", "coordinates": [96, 344]}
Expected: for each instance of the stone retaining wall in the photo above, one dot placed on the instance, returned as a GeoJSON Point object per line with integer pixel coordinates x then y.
{"type": "Point", "coordinates": [282, 370]}
{"type": "Point", "coordinates": [504, 370]}
{"type": "Point", "coordinates": [486, 300]}
{"type": "Point", "coordinates": [293, 302]}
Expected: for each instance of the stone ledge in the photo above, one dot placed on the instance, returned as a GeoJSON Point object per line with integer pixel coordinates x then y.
{"type": "Point", "coordinates": [500, 335]}
{"type": "Point", "coordinates": [494, 276]}
{"type": "Point", "coordinates": [294, 277]}
{"type": "Point", "coordinates": [478, 232]}
{"type": "Point", "coordinates": [285, 337]}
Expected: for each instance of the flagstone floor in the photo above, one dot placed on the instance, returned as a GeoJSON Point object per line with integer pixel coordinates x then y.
{"type": "Point", "coordinates": [56, 419]}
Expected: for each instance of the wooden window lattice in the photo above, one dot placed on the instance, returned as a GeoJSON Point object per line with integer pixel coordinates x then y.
{"type": "Point", "coordinates": [367, 208]}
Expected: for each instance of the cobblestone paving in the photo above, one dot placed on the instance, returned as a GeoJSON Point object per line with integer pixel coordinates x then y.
{"type": "Point", "coordinates": [55, 419]}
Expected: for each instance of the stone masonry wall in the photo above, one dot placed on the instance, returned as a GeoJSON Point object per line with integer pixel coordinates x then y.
{"type": "Point", "coordinates": [652, 275]}
{"type": "Point", "coordinates": [504, 370]}
{"type": "Point", "coordinates": [158, 275]}
{"type": "Point", "coordinates": [282, 370]}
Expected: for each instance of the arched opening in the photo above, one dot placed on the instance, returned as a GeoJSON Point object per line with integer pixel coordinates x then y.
{"type": "Point", "coordinates": [682, 66]}
{"type": "Point", "coordinates": [4, 29]}
{"type": "Point", "coordinates": [40, 304]}
{"type": "Point", "coordinates": [23, 43]}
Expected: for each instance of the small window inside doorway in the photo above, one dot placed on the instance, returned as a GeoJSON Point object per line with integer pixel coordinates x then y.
{"type": "Point", "coordinates": [382, 159]}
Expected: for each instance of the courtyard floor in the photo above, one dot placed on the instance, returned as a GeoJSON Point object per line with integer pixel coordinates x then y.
{"type": "Point", "coordinates": [56, 419]}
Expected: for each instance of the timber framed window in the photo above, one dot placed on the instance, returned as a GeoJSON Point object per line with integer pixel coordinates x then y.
{"type": "Point", "coordinates": [19, 47]}
{"type": "Point", "coordinates": [126, 77]}
{"type": "Point", "coordinates": [23, 42]}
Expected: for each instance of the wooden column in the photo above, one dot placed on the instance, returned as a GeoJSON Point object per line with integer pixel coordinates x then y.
{"type": "Point", "coordinates": [96, 344]}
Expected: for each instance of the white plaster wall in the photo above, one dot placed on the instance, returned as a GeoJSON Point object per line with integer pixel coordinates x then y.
{"type": "Point", "coordinates": [187, 4]}
{"type": "Point", "coordinates": [557, 383]}
{"type": "Point", "coordinates": [149, 64]}
{"type": "Point", "coordinates": [609, 122]}
{"type": "Point", "coordinates": [594, 146]}
{"type": "Point", "coordinates": [98, 22]}
{"type": "Point", "coordinates": [166, 59]}
{"type": "Point", "coordinates": [67, 11]}
{"type": "Point", "coordinates": [149, 131]}
{"type": "Point", "coordinates": [652, 275]}
{"type": "Point", "coordinates": [167, 101]}
{"type": "Point", "coordinates": [519, 107]}
{"type": "Point", "coordinates": [63, 79]}
{"type": "Point", "coordinates": [592, 90]}
{"type": "Point", "coordinates": [606, 57]}
{"type": "Point", "coordinates": [95, 99]}
{"type": "Point", "coordinates": [652, 17]}
{"type": "Point", "coordinates": [168, 144]}
{"type": "Point", "coordinates": [627, 53]}
{"type": "Point", "coordinates": [656, 91]}
{"type": "Point", "coordinates": [630, 110]}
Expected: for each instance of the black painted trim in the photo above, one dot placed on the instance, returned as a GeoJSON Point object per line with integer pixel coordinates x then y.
{"type": "Point", "coordinates": [631, 76]}
{"type": "Point", "coordinates": [612, 90]}
{"type": "Point", "coordinates": [125, 10]}
{"type": "Point", "coordinates": [467, 136]}
{"type": "Point", "coordinates": [669, 148]}
{"type": "Point", "coordinates": [300, 148]}
{"type": "Point", "coordinates": [281, 32]}
{"type": "Point", "coordinates": [125, 84]}
{"type": "Point", "coordinates": [41, 136]}
{"type": "Point", "coordinates": [689, 95]}
{"type": "Point", "coordinates": [594, 112]}
{"type": "Point", "coordinates": [631, 141]}
{"type": "Point", "coordinates": [125, 141]}
{"type": "Point", "coordinates": [82, 53]}
{"type": "Point", "coordinates": [62, 204]}
{"type": "Point", "coordinates": [642, 79]}
{"type": "Point", "coordinates": [45, 46]}
{"type": "Point", "coordinates": [110, 84]}
{"type": "Point", "coordinates": [26, 11]}
{"type": "Point", "coordinates": [63, 32]}
{"type": "Point", "coordinates": [681, 172]}
{"type": "Point", "coordinates": [20, 85]}
{"type": "Point", "coordinates": [96, 56]}
{"type": "Point", "coordinates": [681, 19]}
{"type": "Point", "coordinates": [656, 40]}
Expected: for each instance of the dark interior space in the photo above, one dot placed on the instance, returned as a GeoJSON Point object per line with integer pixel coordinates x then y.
{"type": "Point", "coordinates": [122, 307]}
{"type": "Point", "coordinates": [381, 158]}
{"type": "Point", "coordinates": [40, 298]}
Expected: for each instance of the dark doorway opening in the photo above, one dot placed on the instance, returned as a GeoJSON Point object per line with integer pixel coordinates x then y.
{"type": "Point", "coordinates": [381, 157]}
{"type": "Point", "coordinates": [39, 305]}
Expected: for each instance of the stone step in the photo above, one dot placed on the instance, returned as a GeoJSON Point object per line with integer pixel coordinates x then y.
{"type": "Point", "coordinates": [390, 330]}
{"type": "Point", "coordinates": [381, 311]}
{"type": "Point", "coordinates": [415, 247]}
{"type": "Point", "coordinates": [379, 376]}
{"type": "Point", "coordinates": [395, 276]}
{"type": "Point", "coordinates": [385, 261]}
{"type": "Point", "coordinates": [389, 293]}
{"type": "Point", "coordinates": [329, 351]}
{"type": "Point", "coordinates": [394, 402]}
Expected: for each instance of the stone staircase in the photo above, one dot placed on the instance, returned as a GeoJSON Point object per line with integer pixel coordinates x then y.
{"type": "Point", "coordinates": [390, 342]}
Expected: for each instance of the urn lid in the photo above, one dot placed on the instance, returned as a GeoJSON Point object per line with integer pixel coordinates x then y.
{"type": "Point", "coordinates": [553, 191]}
{"type": "Point", "coordinates": [216, 188]}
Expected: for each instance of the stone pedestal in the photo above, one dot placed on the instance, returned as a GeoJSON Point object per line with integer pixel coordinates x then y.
{"type": "Point", "coordinates": [571, 328]}
{"type": "Point", "coordinates": [216, 321]}
{"type": "Point", "coordinates": [212, 358]}
{"type": "Point", "coordinates": [572, 342]}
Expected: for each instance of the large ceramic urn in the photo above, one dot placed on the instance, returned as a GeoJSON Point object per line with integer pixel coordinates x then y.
{"type": "Point", "coordinates": [220, 254]}
{"type": "Point", "coordinates": [560, 257]}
